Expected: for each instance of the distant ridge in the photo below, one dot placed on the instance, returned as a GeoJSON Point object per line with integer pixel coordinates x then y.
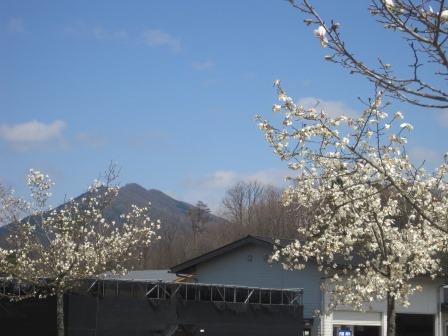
{"type": "Point", "coordinates": [171, 212]}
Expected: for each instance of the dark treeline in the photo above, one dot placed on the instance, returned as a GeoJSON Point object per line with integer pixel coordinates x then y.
{"type": "Point", "coordinates": [247, 208]}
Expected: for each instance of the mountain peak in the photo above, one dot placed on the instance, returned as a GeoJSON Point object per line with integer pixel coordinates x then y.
{"type": "Point", "coordinates": [169, 210]}
{"type": "Point", "coordinates": [132, 186]}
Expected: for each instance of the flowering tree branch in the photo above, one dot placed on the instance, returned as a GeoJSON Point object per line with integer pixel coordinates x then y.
{"type": "Point", "coordinates": [379, 221]}
{"type": "Point", "coordinates": [54, 249]}
{"type": "Point", "coordinates": [426, 33]}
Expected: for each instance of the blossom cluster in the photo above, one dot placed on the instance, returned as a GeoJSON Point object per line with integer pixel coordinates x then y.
{"type": "Point", "coordinates": [403, 16]}
{"type": "Point", "coordinates": [75, 241]}
{"type": "Point", "coordinates": [378, 221]}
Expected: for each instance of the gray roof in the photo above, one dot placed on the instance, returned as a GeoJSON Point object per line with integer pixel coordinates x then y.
{"type": "Point", "coordinates": [146, 275]}
{"type": "Point", "coordinates": [268, 242]}
{"type": "Point", "coordinates": [280, 242]}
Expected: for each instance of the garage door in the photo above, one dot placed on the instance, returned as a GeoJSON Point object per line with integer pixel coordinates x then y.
{"type": "Point", "coordinates": [415, 325]}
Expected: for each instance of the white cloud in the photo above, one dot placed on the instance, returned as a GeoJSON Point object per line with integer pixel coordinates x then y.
{"type": "Point", "coordinates": [226, 178]}
{"type": "Point", "coordinates": [333, 108]}
{"type": "Point", "coordinates": [218, 179]}
{"type": "Point", "coordinates": [211, 188]}
{"type": "Point", "coordinates": [443, 118]}
{"type": "Point", "coordinates": [275, 177]}
{"type": "Point", "coordinates": [418, 154]}
{"type": "Point", "coordinates": [24, 135]}
{"type": "Point", "coordinates": [203, 65]}
{"type": "Point", "coordinates": [81, 29]}
{"type": "Point", "coordinates": [16, 25]}
{"type": "Point", "coordinates": [159, 38]}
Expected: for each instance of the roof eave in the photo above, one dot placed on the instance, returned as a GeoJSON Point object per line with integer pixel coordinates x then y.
{"type": "Point", "coordinates": [189, 264]}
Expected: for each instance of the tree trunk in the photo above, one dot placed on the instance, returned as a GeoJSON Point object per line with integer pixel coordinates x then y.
{"type": "Point", "coordinates": [391, 315]}
{"type": "Point", "coordinates": [60, 313]}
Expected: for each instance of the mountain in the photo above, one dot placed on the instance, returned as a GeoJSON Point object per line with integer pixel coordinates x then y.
{"type": "Point", "coordinates": [171, 212]}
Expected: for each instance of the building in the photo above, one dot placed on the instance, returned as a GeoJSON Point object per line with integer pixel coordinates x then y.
{"type": "Point", "coordinates": [245, 263]}
{"type": "Point", "coordinates": [153, 303]}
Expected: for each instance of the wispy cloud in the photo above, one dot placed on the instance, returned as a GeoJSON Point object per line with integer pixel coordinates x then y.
{"type": "Point", "coordinates": [91, 140]}
{"type": "Point", "coordinates": [226, 178]}
{"type": "Point", "coordinates": [443, 118]}
{"type": "Point", "coordinates": [418, 154]}
{"type": "Point", "coordinates": [206, 65]}
{"type": "Point", "coordinates": [151, 37]}
{"type": "Point", "coordinates": [31, 134]}
{"type": "Point", "coordinates": [332, 108]}
{"type": "Point", "coordinates": [159, 38]}
{"type": "Point", "coordinates": [217, 180]}
{"type": "Point", "coordinates": [98, 32]}
{"type": "Point", "coordinates": [211, 188]}
{"type": "Point", "coordinates": [16, 25]}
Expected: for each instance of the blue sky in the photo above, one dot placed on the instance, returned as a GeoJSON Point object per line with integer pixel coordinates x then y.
{"type": "Point", "coordinates": [169, 89]}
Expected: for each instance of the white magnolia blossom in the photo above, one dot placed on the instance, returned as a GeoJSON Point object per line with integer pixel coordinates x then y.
{"type": "Point", "coordinates": [11, 207]}
{"type": "Point", "coordinates": [74, 241]}
{"type": "Point", "coordinates": [407, 126]}
{"type": "Point", "coordinates": [389, 3]}
{"type": "Point", "coordinates": [444, 15]}
{"type": "Point", "coordinates": [377, 221]}
{"type": "Point", "coordinates": [276, 108]}
{"type": "Point", "coordinates": [432, 13]}
{"type": "Point", "coordinates": [321, 32]}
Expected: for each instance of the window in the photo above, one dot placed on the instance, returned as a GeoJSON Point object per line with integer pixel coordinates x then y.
{"type": "Point", "coordinates": [343, 331]}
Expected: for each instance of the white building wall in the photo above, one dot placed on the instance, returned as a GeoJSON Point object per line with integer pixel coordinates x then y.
{"type": "Point", "coordinates": [425, 302]}
{"type": "Point", "coordinates": [383, 324]}
{"type": "Point", "coordinates": [326, 325]}
{"type": "Point", "coordinates": [247, 266]}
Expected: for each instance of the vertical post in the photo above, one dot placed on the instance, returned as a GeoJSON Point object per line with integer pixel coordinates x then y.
{"type": "Point", "coordinates": [234, 294]}
{"type": "Point", "coordinates": [60, 313]}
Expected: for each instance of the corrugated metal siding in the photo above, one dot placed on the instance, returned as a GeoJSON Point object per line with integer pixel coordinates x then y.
{"type": "Point", "coordinates": [248, 266]}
